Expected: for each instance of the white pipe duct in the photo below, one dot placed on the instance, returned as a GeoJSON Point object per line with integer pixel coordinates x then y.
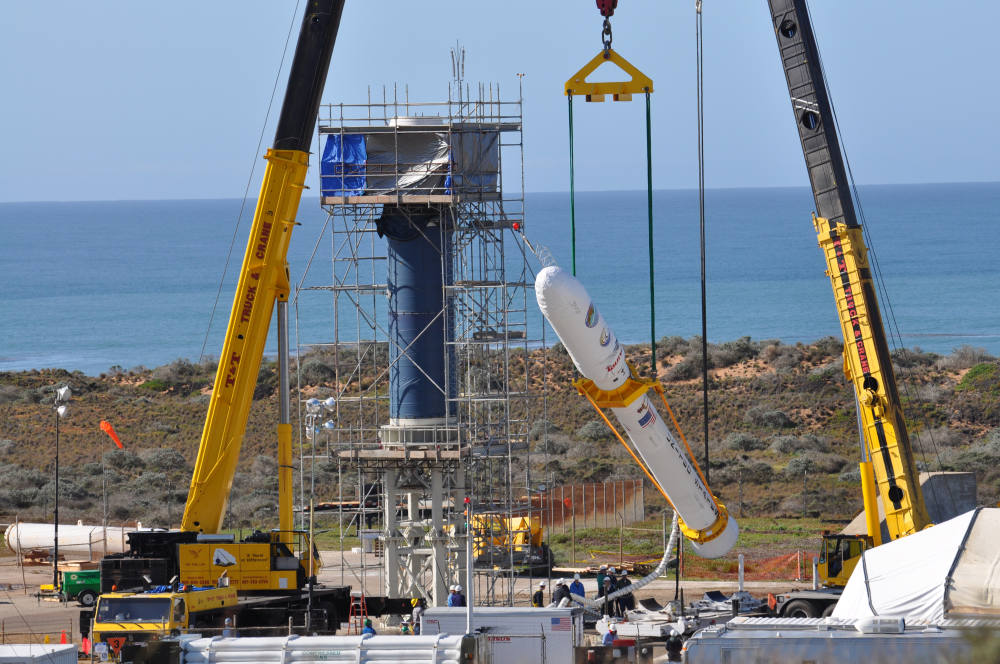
{"type": "Point", "coordinates": [598, 604]}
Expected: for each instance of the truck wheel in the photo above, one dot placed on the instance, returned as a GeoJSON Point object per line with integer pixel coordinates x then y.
{"type": "Point", "coordinates": [799, 608]}
{"type": "Point", "coordinates": [87, 598]}
{"type": "Point", "coordinates": [828, 611]}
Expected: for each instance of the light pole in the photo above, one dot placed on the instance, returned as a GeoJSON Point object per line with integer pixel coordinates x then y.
{"type": "Point", "coordinates": [63, 395]}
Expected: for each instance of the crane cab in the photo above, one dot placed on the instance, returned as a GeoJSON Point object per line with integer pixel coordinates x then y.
{"type": "Point", "coordinates": [839, 555]}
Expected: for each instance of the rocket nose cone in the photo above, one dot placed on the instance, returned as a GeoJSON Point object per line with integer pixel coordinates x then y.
{"type": "Point", "coordinates": [545, 278]}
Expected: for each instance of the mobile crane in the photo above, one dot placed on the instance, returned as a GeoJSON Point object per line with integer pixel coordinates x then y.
{"type": "Point", "coordinates": [263, 569]}
{"type": "Point", "coordinates": [888, 468]}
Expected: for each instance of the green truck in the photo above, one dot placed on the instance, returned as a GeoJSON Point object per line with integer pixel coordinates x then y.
{"type": "Point", "coordinates": [84, 586]}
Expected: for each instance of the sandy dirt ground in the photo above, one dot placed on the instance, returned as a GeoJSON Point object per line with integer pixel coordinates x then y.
{"type": "Point", "coordinates": [24, 618]}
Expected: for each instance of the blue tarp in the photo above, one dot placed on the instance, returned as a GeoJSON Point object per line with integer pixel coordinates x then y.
{"type": "Point", "coordinates": [342, 171]}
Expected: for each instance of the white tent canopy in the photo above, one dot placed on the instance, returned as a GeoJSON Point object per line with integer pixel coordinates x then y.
{"type": "Point", "coordinates": [951, 570]}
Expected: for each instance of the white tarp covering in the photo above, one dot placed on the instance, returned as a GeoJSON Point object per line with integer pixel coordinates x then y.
{"type": "Point", "coordinates": [975, 583]}
{"type": "Point", "coordinates": [416, 162]}
{"type": "Point", "coordinates": [950, 570]}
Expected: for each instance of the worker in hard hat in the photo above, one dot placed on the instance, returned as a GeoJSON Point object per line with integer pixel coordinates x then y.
{"type": "Point", "coordinates": [453, 598]}
{"type": "Point", "coordinates": [602, 573]}
{"type": "Point", "coordinates": [538, 599]}
{"type": "Point", "coordinates": [368, 629]}
{"type": "Point", "coordinates": [560, 593]}
{"type": "Point", "coordinates": [418, 605]}
{"type": "Point", "coordinates": [461, 595]}
{"type": "Point", "coordinates": [610, 635]}
{"type": "Point", "coordinates": [576, 588]}
{"type": "Point", "coordinates": [627, 601]}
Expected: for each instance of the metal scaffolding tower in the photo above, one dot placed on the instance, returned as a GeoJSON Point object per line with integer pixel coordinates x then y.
{"type": "Point", "coordinates": [429, 395]}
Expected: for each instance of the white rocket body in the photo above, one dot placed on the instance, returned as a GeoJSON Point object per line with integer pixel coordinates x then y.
{"type": "Point", "coordinates": [597, 354]}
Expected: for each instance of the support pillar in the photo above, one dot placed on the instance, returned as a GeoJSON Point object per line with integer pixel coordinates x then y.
{"type": "Point", "coordinates": [439, 554]}
{"type": "Point", "coordinates": [391, 557]}
{"type": "Point", "coordinates": [458, 506]}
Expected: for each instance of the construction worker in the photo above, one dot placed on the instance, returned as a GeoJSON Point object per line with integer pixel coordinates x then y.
{"type": "Point", "coordinates": [418, 610]}
{"type": "Point", "coordinates": [560, 593]}
{"type": "Point", "coordinates": [602, 572]}
{"type": "Point", "coordinates": [368, 628]}
{"type": "Point", "coordinates": [576, 588]}
{"type": "Point", "coordinates": [538, 599]}
{"type": "Point", "coordinates": [461, 596]}
{"type": "Point", "coordinates": [452, 596]}
{"type": "Point", "coordinates": [610, 588]}
{"type": "Point", "coordinates": [610, 635]}
{"type": "Point", "coordinates": [627, 601]}
{"type": "Point", "coordinates": [605, 590]}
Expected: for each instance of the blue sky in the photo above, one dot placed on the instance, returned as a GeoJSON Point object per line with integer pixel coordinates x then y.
{"type": "Point", "coordinates": [137, 100]}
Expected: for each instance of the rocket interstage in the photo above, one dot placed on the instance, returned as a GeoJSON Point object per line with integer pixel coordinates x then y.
{"type": "Point", "coordinates": [595, 351]}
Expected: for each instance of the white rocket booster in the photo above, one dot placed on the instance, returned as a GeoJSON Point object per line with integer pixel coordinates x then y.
{"type": "Point", "coordinates": [598, 355]}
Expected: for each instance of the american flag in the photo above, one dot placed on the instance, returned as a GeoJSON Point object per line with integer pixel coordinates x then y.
{"type": "Point", "coordinates": [561, 625]}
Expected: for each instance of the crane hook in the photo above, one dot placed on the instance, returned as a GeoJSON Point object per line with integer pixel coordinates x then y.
{"type": "Point", "coordinates": [607, 9]}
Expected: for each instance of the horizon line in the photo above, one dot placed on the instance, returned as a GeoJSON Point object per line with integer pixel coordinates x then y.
{"type": "Point", "coordinates": [529, 192]}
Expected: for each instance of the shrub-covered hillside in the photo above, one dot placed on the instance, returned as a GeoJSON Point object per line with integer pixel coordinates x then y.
{"type": "Point", "coordinates": [782, 432]}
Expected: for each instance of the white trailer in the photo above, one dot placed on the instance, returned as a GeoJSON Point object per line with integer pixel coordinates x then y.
{"type": "Point", "coordinates": [440, 649]}
{"type": "Point", "coordinates": [515, 634]}
{"type": "Point", "coordinates": [38, 653]}
{"type": "Point", "coordinates": [826, 641]}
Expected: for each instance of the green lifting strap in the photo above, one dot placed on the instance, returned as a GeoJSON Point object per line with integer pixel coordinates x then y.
{"type": "Point", "coordinates": [572, 189]}
{"type": "Point", "coordinates": [649, 205]}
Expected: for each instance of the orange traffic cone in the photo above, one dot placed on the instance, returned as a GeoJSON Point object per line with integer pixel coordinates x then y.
{"type": "Point", "coordinates": [85, 645]}
{"type": "Point", "coordinates": [62, 637]}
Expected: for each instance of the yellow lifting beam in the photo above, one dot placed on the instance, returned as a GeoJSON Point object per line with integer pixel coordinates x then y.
{"type": "Point", "coordinates": [619, 90]}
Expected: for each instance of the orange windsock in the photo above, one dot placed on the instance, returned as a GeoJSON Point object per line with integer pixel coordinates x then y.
{"type": "Point", "coordinates": [110, 430]}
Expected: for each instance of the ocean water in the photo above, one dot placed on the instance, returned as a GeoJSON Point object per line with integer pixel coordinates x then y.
{"type": "Point", "coordinates": [90, 285]}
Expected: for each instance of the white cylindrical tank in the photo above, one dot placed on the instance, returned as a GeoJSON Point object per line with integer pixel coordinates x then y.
{"type": "Point", "coordinates": [434, 649]}
{"type": "Point", "coordinates": [596, 352]}
{"type": "Point", "coordinates": [75, 541]}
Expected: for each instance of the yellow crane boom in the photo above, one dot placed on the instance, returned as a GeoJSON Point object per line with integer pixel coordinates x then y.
{"type": "Point", "coordinates": [263, 282]}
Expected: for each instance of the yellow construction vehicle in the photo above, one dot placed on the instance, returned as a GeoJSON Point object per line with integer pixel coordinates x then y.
{"type": "Point", "coordinates": [139, 617]}
{"type": "Point", "coordinates": [888, 468]}
{"type": "Point", "coordinates": [282, 559]}
{"type": "Point", "coordinates": [516, 541]}
{"type": "Point", "coordinates": [275, 565]}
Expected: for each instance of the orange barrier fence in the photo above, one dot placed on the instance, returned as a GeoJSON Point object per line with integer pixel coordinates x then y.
{"type": "Point", "coordinates": [594, 505]}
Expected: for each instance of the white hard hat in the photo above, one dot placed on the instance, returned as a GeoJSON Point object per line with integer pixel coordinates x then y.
{"type": "Point", "coordinates": [576, 577]}
{"type": "Point", "coordinates": [611, 569]}
{"type": "Point", "coordinates": [451, 588]}
{"type": "Point", "coordinates": [612, 628]}
{"type": "Point", "coordinates": [561, 582]}
{"type": "Point", "coordinates": [541, 584]}
{"type": "Point", "coordinates": [458, 589]}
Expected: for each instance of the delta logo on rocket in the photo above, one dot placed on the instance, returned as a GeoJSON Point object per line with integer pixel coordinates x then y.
{"type": "Point", "coordinates": [605, 337]}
